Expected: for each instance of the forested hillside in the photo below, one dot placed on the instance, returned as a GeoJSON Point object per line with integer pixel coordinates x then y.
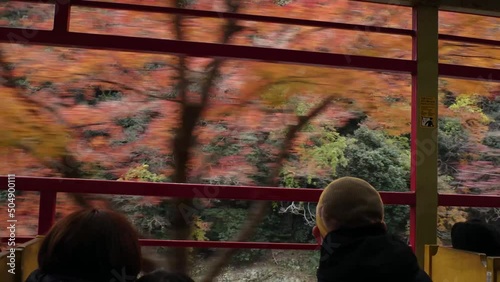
{"type": "Point", "coordinates": [96, 114]}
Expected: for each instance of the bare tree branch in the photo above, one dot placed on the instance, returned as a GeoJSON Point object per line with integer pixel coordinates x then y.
{"type": "Point", "coordinates": [260, 208]}
{"type": "Point", "coordinates": [185, 139]}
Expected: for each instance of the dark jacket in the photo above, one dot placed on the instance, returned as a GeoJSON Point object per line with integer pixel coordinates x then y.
{"type": "Point", "coordinates": [39, 276]}
{"type": "Point", "coordinates": [476, 236]}
{"type": "Point", "coordinates": [367, 254]}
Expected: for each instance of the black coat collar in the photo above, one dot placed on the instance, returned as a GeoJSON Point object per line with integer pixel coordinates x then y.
{"type": "Point", "coordinates": [336, 238]}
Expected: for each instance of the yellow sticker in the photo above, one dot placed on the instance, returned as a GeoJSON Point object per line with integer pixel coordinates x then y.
{"type": "Point", "coordinates": [428, 112]}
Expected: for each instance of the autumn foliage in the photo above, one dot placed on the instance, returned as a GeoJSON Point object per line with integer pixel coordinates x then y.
{"type": "Point", "coordinates": [70, 112]}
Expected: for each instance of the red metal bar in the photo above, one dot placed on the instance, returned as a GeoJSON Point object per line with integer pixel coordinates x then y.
{"type": "Point", "coordinates": [245, 17]}
{"type": "Point", "coordinates": [228, 245]}
{"type": "Point", "coordinates": [43, 184]}
{"type": "Point", "coordinates": [199, 49]}
{"type": "Point", "coordinates": [467, 72]}
{"type": "Point", "coordinates": [269, 19]}
{"type": "Point", "coordinates": [47, 211]}
{"type": "Point", "coordinates": [472, 40]}
{"type": "Point", "coordinates": [208, 244]}
{"type": "Point", "coordinates": [458, 200]}
{"type": "Point", "coordinates": [19, 240]}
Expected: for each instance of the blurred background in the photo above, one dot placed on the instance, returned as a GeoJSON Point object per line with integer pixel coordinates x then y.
{"type": "Point", "coordinates": [95, 114]}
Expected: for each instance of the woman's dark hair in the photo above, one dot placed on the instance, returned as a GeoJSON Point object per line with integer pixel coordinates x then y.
{"type": "Point", "coordinates": [476, 236]}
{"type": "Point", "coordinates": [94, 245]}
{"type": "Point", "coordinates": [164, 276]}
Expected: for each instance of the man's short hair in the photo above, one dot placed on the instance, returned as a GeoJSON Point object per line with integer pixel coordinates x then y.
{"type": "Point", "coordinates": [352, 202]}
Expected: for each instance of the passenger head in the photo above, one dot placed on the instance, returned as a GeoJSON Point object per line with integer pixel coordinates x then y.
{"type": "Point", "coordinates": [92, 245]}
{"type": "Point", "coordinates": [163, 276]}
{"type": "Point", "coordinates": [348, 202]}
{"type": "Point", "coordinates": [476, 236]}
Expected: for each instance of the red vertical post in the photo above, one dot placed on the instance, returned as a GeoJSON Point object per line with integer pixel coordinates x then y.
{"type": "Point", "coordinates": [61, 16]}
{"type": "Point", "coordinates": [47, 211]}
{"type": "Point", "coordinates": [413, 135]}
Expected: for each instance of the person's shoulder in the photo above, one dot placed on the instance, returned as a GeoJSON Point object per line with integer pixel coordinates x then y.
{"type": "Point", "coordinates": [405, 250]}
{"type": "Point", "coordinates": [396, 238]}
{"type": "Point", "coordinates": [398, 242]}
{"type": "Point", "coordinates": [422, 276]}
